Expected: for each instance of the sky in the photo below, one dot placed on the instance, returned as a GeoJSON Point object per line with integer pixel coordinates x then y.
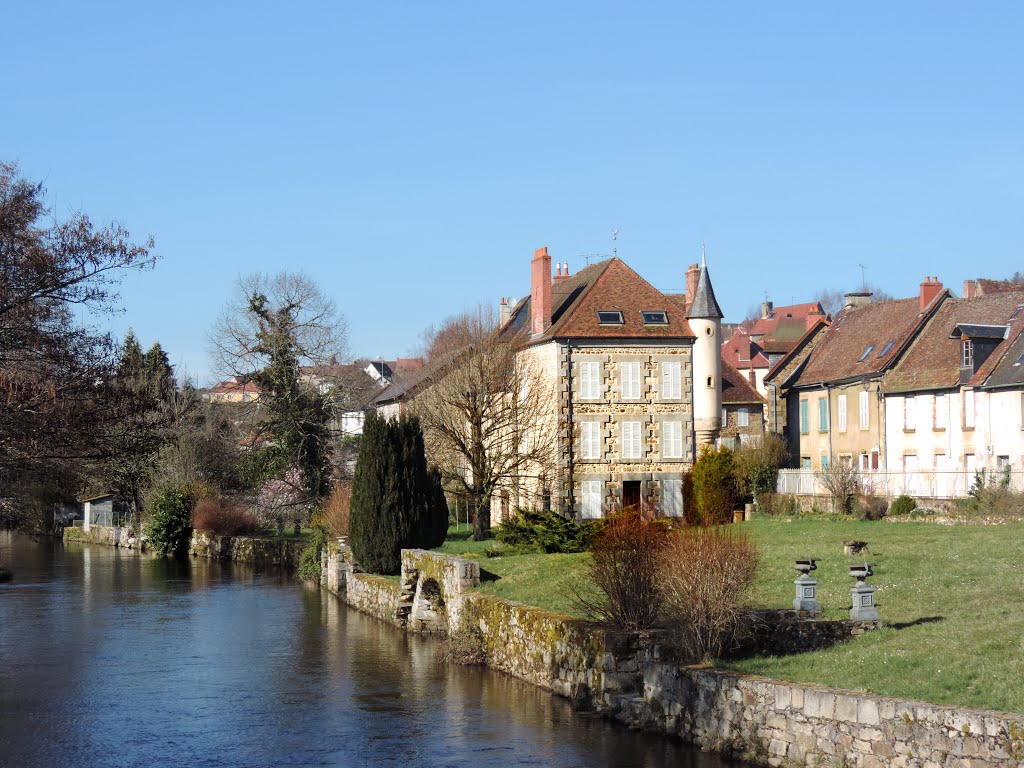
{"type": "Point", "coordinates": [411, 156]}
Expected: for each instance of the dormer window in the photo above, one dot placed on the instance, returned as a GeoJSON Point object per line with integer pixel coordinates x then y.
{"type": "Point", "coordinates": [655, 317]}
{"type": "Point", "coordinates": [866, 353]}
{"type": "Point", "coordinates": [968, 354]}
{"type": "Point", "coordinates": [609, 316]}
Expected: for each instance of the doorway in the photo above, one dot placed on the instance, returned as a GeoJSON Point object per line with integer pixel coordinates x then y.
{"type": "Point", "coordinates": [630, 494]}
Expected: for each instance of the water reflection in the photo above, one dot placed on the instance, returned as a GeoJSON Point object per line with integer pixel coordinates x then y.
{"type": "Point", "coordinates": [108, 657]}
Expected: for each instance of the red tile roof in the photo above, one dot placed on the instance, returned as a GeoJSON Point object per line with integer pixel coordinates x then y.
{"type": "Point", "coordinates": [234, 387]}
{"type": "Point", "coordinates": [933, 360]}
{"type": "Point", "coordinates": [803, 315]}
{"type": "Point", "coordinates": [736, 388]}
{"type": "Point", "coordinates": [607, 285]}
{"type": "Point", "coordinates": [843, 353]}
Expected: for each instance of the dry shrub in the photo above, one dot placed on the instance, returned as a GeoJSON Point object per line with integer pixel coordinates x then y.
{"type": "Point", "coordinates": [777, 504]}
{"type": "Point", "coordinates": [337, 508]}
{"type": "Point", "coordinates": [705, 575]}
{"type": "Point", "coordinates": [622, 589]}
{"type": "Point", "coordinates": [224, 516]}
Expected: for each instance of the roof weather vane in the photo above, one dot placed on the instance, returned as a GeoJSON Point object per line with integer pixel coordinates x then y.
{"type": "Point", "coordinates": [615, 236]}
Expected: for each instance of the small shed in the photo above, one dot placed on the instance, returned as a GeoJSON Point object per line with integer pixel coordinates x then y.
{"type": "Point", "coordinates": [106, 510]}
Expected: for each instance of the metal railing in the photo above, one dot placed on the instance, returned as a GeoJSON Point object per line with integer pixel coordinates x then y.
{"type": "Point", "coordinates": [925, 483]}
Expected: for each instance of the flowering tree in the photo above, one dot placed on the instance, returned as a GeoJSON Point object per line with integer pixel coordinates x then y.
{"type": "Point", "coordinates": [279, 498]}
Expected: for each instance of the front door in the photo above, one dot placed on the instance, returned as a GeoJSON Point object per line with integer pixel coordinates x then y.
{"type": "Point", "coordinates": [631, 494]}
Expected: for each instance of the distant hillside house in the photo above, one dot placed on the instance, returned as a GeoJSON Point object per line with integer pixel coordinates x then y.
{"type": "Point", "coordinates": [234, 390]}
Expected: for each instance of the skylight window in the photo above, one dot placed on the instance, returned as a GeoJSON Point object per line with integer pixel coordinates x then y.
{"type": "Point", "coordinates": [655, 317]}
{"type": "Point", "coordinates": [1017, 311]}
{"type": "Point", "coordinates": [609, 316]}
{"type": "Point", "coordinates": [866, 353]}
{"type": "Point", "coordinates": [885, 349]}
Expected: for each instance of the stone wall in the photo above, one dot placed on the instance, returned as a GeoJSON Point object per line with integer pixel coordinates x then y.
{"type": "Point", "coordinates": [111, 536]}
{"type": "Point", "coordinates": [376, 595]}
{"type": "Point", "coordinates": [282, 552]}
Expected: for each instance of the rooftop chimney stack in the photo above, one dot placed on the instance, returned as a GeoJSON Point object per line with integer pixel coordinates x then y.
{"type": "Point", "coordinates": [561, 271]}
{"type": "Point", "coordinates": [692, 277]}
{"type": "Point", "coordinates": [969, 289]}
{"type": "Point", "coordinates": [540, 292]}
{"type": "Point", "coordinates": [857, 299]}
{"type": "Point", "coordinates": [930, 288]}
{"type": "Point", "coordinates": [766, 309]}
{"type": "Point", "coordinates": [504, 311]}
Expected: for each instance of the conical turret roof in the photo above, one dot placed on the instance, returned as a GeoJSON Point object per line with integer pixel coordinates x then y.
{"type": "Point", "coordinates": [704, 304]}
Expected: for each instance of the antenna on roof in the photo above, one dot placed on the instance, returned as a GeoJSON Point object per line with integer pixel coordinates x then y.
{"type": "Point", "coordinates": [863, 281]}
{"type": "Point", "coordinates": [615, 236]}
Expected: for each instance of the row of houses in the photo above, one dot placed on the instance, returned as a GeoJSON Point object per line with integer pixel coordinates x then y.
{"type": "Point", "coordinates": [921, 394]}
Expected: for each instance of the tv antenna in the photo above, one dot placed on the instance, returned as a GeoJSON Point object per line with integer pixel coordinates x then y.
{"type": "Point", "coordinates": [863, 280]}
{"type": "Point", "coordinates": [615, 237]}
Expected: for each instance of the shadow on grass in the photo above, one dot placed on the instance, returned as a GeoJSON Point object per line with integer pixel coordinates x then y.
{"type": "Point", "coordinates": [916, 622]}
{"type": "Point", "coordinates": [486, 575]}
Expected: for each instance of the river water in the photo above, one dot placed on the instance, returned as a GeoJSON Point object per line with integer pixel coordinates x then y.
{"type": "Point", "coordinates": [109, 658]}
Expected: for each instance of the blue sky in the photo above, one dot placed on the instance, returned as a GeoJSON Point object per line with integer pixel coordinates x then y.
{"type": "Point", "coordinates": [411, 156]}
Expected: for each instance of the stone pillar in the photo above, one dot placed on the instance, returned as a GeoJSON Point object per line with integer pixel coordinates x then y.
{"type": "Point", "coordinates": [87, 520]}
{"type": "Point", "coordinates": [806, 594]}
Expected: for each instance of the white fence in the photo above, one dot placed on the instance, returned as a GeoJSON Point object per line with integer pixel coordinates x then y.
{"type": "Point", "coordinates": [936, 485]}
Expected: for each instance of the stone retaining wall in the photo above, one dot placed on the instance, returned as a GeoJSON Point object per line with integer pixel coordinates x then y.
{"type": "Point", "coordinates": [633, 679]}
{"type": "Point", "coordinates": [283, 552]}
{"type": "Point", "coordinates": [111, 536]}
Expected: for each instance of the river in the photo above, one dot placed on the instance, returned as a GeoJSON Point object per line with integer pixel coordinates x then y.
{"type": "Point", "coordinates": [109, 658]}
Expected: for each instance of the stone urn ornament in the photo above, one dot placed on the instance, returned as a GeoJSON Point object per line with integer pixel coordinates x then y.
{"type": "Point", "coordinates": [863, 594]}
{"type": "Point", "coordinates": [806, 587]}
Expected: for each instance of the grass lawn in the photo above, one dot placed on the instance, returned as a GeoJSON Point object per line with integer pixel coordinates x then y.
{"type": "Point", "coordinates": [951, 599]}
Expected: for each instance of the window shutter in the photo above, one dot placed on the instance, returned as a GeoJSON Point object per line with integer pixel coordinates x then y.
{"type": "Point", "coordinates": [842, 412]}
{"type": "Point", "coordinates": [592, 492]}
{"type": "Point", "coordinates": [590, 380]}
{"type": "Point", "coordinates": [672, 497]}
{"type": "Point", "coordinates": [672, 440]}
{"type": "Point", "coordinates": [865, 403]}
{"type": "Point", "coordinates": [629, 373]}
{"type": "Point", "coordinates": [631, 439]}
{"type": "Point", "coordinates": [671, 381]}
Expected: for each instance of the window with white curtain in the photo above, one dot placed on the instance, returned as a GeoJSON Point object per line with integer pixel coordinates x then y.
{"type": "Point", "coordinates": [671, 381]}
{"type": "Point", "coordinates": [629, 376]}
{"type": "Point", "coordinates": [630, 439]}
{"type": "Point", "coordinates": [671, 439]}
{"type": "Point", "coordinates": [590, 380]}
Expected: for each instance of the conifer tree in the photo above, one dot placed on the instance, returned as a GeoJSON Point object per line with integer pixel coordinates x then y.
{"type": "Point", "coordinates": [375, 523]}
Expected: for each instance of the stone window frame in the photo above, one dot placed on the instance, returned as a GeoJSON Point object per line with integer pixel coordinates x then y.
{"type": "Point", "coordinates": [601, 477]}
{"type": "Point", "coordinates": [603, 439]}
{"type": "Point", "coordinates": [646, 437]}
{"type": "Point", "coordinates": [615, 379]}
{"type": "Point", "coordinates": [604, 380]}
{"type": "Point", "coordinates": [661, 361]}
{"type": "Point", "coordinates": [659, 481]}
{"type": "Point", "coordinates": [683, 431]}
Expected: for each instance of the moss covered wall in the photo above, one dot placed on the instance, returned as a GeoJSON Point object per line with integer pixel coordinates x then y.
{"type": "Point", "coordinates": [244, 549]}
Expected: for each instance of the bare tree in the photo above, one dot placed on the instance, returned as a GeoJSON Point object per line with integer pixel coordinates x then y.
{"type": "Point", "coordinates": [270, 330]}
{"type": "Point", "coordinates": [832, 300]}
{"type": "Point", "coordinates": [489, 414]}
{"type": "Point", "coordinates": [841, 481]}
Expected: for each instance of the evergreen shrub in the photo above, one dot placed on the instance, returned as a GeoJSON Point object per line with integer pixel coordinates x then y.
{"type": "Point", "coordinates": [902, 505]}
{"type": "Point", "coordinates": [714, 487]}
{"type": "Point", "coordinates": [170, 524]}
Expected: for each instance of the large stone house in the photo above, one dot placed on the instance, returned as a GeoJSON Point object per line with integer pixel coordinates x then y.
{"type": "Point", "coordinates": [954, 403]}
{"type": "Point", "coordinates": [636, 383]}
{"type": "Point", "coordinates": [834, 403]}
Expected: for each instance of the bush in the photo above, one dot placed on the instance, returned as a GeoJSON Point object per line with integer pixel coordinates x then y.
{"type": "Point", "coordinates": [547, 532]}
{"type": "Point", "coordinates": [902, 505]}
{"type": "Point", "coordinates": [705, 576]}
{"type": "Point", "coordinates": [714, 488]}
{"type": "Point", "coordinates": [224, 516]}
{"type": "Point", "coordinates": [842, 482]}
{"type": "Point", "coordinates": [337, 510]}
{"type": "Point", "coordinates": [872, 507]}
{"type": "Point", "coordinates": [170, 524]}
{"type": "Point", "coordinates": [622, 585]}
{"type": "Point", "coordinates": [778, 504]}
{"type": "Point", "coordinates": [756, 465]}
{"type": "Point", "coordinates": [309, 560]}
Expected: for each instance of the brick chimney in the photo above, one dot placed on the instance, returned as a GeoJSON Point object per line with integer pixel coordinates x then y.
{"type": "Point", "coordinates": [540, 292]}
{"type": "Point", "coordinates": [561, 272]}
{"type": "Point", "coordinates": [766, 309]}
{"type": "Point", "coordinates": [930, 288]}
{"type": "Point", "coordinates": [969, 289]}
{"type": "Point", "coordinates": [692, 277]}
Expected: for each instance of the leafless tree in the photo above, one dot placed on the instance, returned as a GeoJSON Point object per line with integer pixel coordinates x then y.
{"type": "Point", "coordinates": [488, 412]}
{"type": "Point", "coordinates": [833, 299]}
{"type": "Point", "coordinates": [842, 482]}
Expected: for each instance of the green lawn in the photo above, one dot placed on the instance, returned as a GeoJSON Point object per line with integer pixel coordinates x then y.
{"type": "Point", "coordinates": [951, 599]}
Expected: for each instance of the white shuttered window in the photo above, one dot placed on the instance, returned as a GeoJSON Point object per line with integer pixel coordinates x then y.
{"type": "Point", "coordinates": [865, 415]}
{"type": "Point", "coordinates": [671, 439]}
{"type": "Point", "coordinates": [671, 381]}
{"type": "Point", "coordinates": [590, 380]}
{"type": "Point", "coordinates": [629, 375]}
{"type": "Point", "coordinates": [592, 491]}
{"type": "Point", "coordinates": [841, 412]}
{"type": "Point", "coordinates": [630, 439]}
{"type": "Point", "coordinates": [672, 497]}
{"type": "Point", "coordinates": [590, 439]}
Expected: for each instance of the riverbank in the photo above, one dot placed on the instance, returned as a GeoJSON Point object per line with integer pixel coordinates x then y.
{"type": "Point", "coordinates": [632, 679]}
{"type": "Point", "coordinates": [279, 551]}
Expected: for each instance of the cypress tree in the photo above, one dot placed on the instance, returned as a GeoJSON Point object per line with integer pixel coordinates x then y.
{"type": "Point", "coordinates": [376, 522]}
{"type": "Point", "coordinates": [438, 510]}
